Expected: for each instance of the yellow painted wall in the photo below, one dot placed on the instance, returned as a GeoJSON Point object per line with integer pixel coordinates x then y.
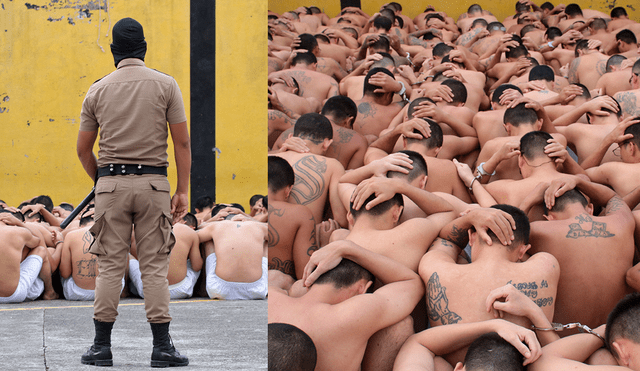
{"type": "Point", "coordinates": [500, 8]}
{"type": "Point", "coordinates": [241, 100]}
{"type": "Point", "coordinates": [46, 66]}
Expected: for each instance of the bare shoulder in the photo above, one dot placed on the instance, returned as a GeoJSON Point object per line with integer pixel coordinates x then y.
{"type": "Point", "coordinates": [543, 262]}
{"type": "Point", "coordinates": [294, 213]}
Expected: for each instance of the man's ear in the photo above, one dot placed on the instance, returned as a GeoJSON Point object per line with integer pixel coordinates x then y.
{"type": "Point", "coordinates": [397, 213]}
{"type": "Point", "coordinates": [404, 142]}
{"type": "Point", "coordinates": [623, 352]}
{"type": "Point", "coordinates": [459, 367]}
{"type": "Point", "coordinates": [589, 208]}
{"type": "Point", "coordinates": [521, 161]}
{"type": "Point", "coordinates": [523, 249]}
{"type": "Point", "coordinates": [350, 219]}
{"type": "Point", "coordinates": [287, 191]}
{"type": "Point", "coordinates": [366, 286]}
{"type": "Point", "coordinates": [326, 143]}
{"type": "Point", "coordinates": [350, 121]}
{"type": "Point", "coordinates": [423, 182]}
{"type": "Point", "coordinates": [507, 127]}
{"type": "Point", "coordinates": [538, 124]}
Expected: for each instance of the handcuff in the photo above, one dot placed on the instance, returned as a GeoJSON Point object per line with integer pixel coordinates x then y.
{"type": "Point", "coordinates": [560, 327]}
{"type": "Point", "coordinates": [482, 171]}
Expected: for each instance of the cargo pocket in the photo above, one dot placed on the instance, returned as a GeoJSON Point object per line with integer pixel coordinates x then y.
{"type": "Point", "coordinates": [103, 188]}
{"type": "Point", "coordinates": [160, 185]}
{"type": "Point", "coordinates": [96, 231]}
{"type": "Point", "coordinates": [168, 238]}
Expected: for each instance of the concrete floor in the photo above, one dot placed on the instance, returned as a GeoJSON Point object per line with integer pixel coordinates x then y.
{"type": "Point", "coordinates": [215, 335]}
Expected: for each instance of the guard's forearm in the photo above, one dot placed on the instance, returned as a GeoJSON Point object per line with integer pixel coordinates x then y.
{"type": "Point", "coordinates": [183, 165]}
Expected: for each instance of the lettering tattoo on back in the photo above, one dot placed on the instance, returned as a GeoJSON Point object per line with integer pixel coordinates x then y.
{"type": "Point", "coordinates": [87, 268]}
{"type": "Point", "coordinates": [530, 289]}
{"type": "Point", "coordinates": [309, 185]}
{"type": "Point", "coordinates": [598, 229]}
{"type": "Point", "coordinates": [438, 303]}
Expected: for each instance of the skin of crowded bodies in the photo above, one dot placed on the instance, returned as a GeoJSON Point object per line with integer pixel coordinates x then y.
{"type": "Point", "coordinates": [454, 191]}
{"type": "Point", "coordinates": [45, 261]}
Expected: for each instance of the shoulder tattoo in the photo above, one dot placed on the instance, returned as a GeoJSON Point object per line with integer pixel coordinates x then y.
{"type": "Point", "coordinates": [597, 229]}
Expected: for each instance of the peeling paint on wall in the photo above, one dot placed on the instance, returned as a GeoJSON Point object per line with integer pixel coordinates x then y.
{"type": "Point", "coordinates": [82, 10]}
{"type": "Point", "coordinates": [4, 99]}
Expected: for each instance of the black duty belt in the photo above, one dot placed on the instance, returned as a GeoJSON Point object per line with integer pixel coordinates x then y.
{"type": "Point", "coordinates": [115, 169]}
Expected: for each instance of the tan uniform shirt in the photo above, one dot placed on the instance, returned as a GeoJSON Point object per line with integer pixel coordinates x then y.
{"type": "Point", "coordinates": [138, 135]}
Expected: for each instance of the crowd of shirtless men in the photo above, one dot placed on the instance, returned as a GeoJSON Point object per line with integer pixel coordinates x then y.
{"type": "Point", "coordinates": [454, 193]}
{"type": "Point", "coordinates": [43, 260]}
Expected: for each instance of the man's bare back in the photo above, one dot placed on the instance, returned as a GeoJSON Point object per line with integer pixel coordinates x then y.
{"type": "Point", "coordinates": [292, 237]}
{"type": "Point", "coordinates": [316, 180]}
{"type": "Point", "coordinates": [187, 247]}
{"type": "Point", "coordinates": [239, 248]}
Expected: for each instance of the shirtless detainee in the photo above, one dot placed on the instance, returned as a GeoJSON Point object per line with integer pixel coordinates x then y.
{"type": "Point", "coordinates": [594, 251]}
{"type": "Point", "coordinates": [78, 267]}
{"type": "Point", "coordinates": [24, 279]}
{"type": "Point", "coordinates": [185, 263]}
{"type": "Point", "coordinates": [336, 312]}
{"type": "Point", "coordinates": [494, 263]}
{"type": "Point", "coordinates": [236, 259]}
{"type": "Point", "coordinates": [292, 228]}
{"type": "Point", "coordinates": [317, 176]}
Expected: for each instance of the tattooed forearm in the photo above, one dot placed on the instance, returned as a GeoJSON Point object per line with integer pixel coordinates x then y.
{"type": "Point", "coordinates": [615, 204]}
{"type": "Point", "coordinates": [285, 266]}
{"type": "Point", "coordinates": [458, 236]}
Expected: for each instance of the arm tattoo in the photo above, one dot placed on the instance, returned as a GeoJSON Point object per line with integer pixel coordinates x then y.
{"type": "Point", "coordinates": [614, 205]}
{"type": "Point", "coordinates": [312, 239]}
{"type": "Point", "coordinates": [458, 236]}
{"type": "Point", "coordinates": [438, 303]}
{"type": "Point", "coordinates": [530, 289]}
{"type": "Point", "coordinates": [285, 266]}
{"type": "Point", "coordinates": [310, 184]}
{"type": "Point", "coordinates": [573, 71]}
{"type": "Point", "coordinates": [598, 229]}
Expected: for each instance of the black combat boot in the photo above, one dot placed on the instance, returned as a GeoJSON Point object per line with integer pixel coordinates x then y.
{"type": "Point", "coordinates": [100, 352]}
{"type": "Point", "coordinates": [164, 353]}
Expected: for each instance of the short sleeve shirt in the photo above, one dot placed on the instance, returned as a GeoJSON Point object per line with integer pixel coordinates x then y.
{"type": "Point", "coordinates": [132, 106]}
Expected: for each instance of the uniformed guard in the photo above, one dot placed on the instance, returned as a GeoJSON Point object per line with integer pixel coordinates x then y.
{"type": "Point", "coordinates": [132, 106]}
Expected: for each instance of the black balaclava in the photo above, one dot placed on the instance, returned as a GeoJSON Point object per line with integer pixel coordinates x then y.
{"type": "Point", "coordinates": [128, 40]}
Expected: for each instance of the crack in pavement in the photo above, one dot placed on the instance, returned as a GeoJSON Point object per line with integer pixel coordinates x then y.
{"type": "Point", "coordinates": [44, 345]}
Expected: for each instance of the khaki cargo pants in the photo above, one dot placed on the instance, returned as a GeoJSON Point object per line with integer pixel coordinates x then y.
{"type": "Point", "coordinates": [121, 202]}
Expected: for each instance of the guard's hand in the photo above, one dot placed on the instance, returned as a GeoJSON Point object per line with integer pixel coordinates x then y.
{"type": "Point", "coordinates": [179, 204]}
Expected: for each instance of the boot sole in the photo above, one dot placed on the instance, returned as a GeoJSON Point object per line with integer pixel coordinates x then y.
{"type": "Point", "coordinates": [102, 363]}
{"type": "Point", "coordinates": [163, 364]}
